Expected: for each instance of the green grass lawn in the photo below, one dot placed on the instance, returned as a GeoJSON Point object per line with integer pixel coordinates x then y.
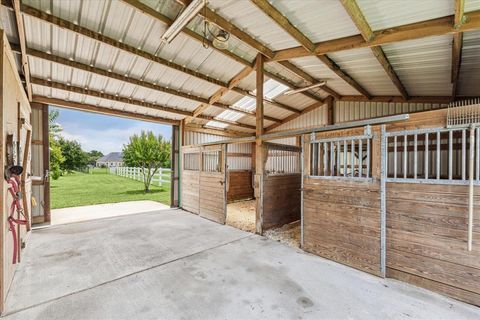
{"type": "Point", "coordinates": [81, 189]}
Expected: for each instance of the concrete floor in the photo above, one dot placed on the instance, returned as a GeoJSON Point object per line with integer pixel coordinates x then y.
{"type": "Point", "coordinates": [174, 265]}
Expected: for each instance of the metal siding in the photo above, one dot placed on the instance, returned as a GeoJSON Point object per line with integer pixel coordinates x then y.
{"type": "Point", "coordinates": [363, 67]}
{"type": "Point", "coordinates": [423, 65]}
{"type": "Point", "coordinates": [387, 14]}
{"type": "Point", "coordinates": [346, 111]}
{"type": "Point", "coordinates": [472, 5]}
{"type": "Point", "coordinates": [315, 118]}
{"type": "Point", "coordinates": [469, 78]}
{"type": "Point", "coordinates": [193, 138]}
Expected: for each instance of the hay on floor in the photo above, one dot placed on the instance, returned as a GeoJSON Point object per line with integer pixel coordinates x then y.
{"type": "Point", "coordinates": [241, 215]}
{"type": "Point", "coordinates": [288, 234]}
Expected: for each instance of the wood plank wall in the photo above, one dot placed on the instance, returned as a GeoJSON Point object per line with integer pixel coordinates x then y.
{"type": "Point", "coordinates": [342, 217]}
{"type": "Point", "coordinates": [190, 191]}
{"type": "Point", "coordinates": [427, 239]}
{"type": "Point", "coordinates": [239, 185]}
{"type": "Point", "coordinates": [212, 196]}
{"type": "Point", "coordinates": [281, 200]}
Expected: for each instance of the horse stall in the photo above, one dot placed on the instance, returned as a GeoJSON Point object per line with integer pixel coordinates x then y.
{"type": "Point", "coordinates": [399, 200]}
{"type": "Point", "coordinates": [280, 192]}
{"type": "Point", "coordinates": [204, 181]}
{"type": "Point", "coordinates": [240, 194]}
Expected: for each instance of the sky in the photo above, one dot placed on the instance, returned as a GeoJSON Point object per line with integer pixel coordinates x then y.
{"type": "Point", "coordinates": [104, 133]}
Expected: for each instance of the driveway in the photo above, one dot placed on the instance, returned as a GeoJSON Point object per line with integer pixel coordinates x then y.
{"type": "Point", "coordinates": [172, 264]}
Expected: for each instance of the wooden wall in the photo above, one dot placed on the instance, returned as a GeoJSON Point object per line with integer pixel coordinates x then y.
{"type": "Point", "coordinates": [212, 196]}
{"type": "Point", "coordinates": [190, 186]}
{"type": "Point", "coordinates": [281, 199]}
{"type": "Point", "coordinates": [239, 185]}
{"type": "Point", "coordinates": [14, 108]}
{"type": "Point", "coordinates": [427, 239]}
{"type": "Point", "coordinates": [342, 217]}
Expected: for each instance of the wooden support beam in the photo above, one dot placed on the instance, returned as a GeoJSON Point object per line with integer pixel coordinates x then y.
{"type": "Point", "coordinates": [101, 110]}
{"type": "Point", "coordinates": [229, 122]}
{"type": "Point", "coordinates": [330, 111]}
{"type": "Point", "coordinates": [304, 111]}
{"type": "Point", "coordinates": [459, 20]}
{"type": "Point", "coordinates": [418, 30]}
{"type": "Point", "coordinates": [335, 68]}
{"type": "Point", "coordinates": [358, 18]}
{"type": "Point", "coordinates": [216, 131]}
{"type": "Point", "coordinates": [284, 23]}
{"type": "Point", "coordinates": [23, 46]}
{"type": "Point", "coordinates": [259, 147]}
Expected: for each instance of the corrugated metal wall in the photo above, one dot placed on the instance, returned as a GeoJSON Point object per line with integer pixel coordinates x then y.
{"type": "Point", "coordinates": [37, 161]}
{"type": "Point", "coordinates": [193, 138]}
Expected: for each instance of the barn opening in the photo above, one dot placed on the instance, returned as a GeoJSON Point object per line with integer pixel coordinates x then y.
{"type": "Point", "coordinates": [347, 129]}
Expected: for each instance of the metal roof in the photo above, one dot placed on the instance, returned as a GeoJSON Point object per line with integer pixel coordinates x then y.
{"type": "Point", "coordinates": [423, 65]}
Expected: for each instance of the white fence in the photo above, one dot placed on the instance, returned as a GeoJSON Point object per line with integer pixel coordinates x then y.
{"type": "Point", "coordinates": [162, 175]}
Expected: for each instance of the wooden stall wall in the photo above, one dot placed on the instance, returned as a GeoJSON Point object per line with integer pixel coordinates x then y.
{"type": "Point", "coordinates": [281, 200]}
{"type": "Point", "coordinates": [427, 230]}
{"type": "Point", "coordinates": [190, 180]}
{"type": "Point", "coordinates": [239, 185]}
{"type": "Point", "coordinates": [14, 120]}
{"type": "Point", "coordinates": [341, 217]}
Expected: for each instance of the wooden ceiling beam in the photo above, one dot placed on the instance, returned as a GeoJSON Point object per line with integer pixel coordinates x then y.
{"type": "Point", "coordinates": [342, 74]}
{"type": "Point", "coordinates": [294, 116]}
{"type": "Point", "coordinates": [360, 21]}
{"type": "Point", "coordinates": [219, 132]}
{"type": "Point", "coordinates": [434, 27]}
{"type": "Point", "coordinates": [102, 110]}
{"type": "Point", "coordinates": [458, 21]}
{"type": "Point", "coordinates": [23, 47]}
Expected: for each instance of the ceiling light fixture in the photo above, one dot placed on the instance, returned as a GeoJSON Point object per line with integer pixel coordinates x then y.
{"type": "Point", "coordinates": [220, 41]}
{"type": "Point", "coordinates": [182, 20]}
{"type": "Point", "coordinates": [319, 84]}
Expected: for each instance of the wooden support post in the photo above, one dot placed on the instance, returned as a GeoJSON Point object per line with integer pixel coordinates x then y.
{"type": "Point", "coordinates": [330, 110]}
{"type": "Point", "coordinates": [259, 148]}
{"type": "Point", "coordinates": [46, 164]}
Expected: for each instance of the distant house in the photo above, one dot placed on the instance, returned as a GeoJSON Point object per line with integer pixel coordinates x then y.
{"type": "Point", "coordinates": [113, 159]}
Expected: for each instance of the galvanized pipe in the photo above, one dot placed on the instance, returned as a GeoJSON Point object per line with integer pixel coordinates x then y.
{"type": "Point", "coordinates": [470, 187]}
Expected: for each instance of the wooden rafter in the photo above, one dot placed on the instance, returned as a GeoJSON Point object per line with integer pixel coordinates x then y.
{"type": "Point", "coordinates": [434, 27]}
{"type": "Point", "coordinates": [216, 131]}
{"type": "Point", "coordinates": [101, 110]}
{"type": "Point", "coordinates": [23, 46]}
{"type": "Point", "coordinates": [288, 27]}
{"type": "Point", "coordinates": [458, 21]}
{"type": "Point", "coordinates": [358, 18]}
{"type": "Point", "coordinates": [294, 116]}
{"type": "Point", "coordinates": [339, 72]}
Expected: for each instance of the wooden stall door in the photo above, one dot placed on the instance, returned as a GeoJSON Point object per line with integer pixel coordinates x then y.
{"type": "Point", "coordinates": [40, 164]}
{"type": "Point", "coordinates": [213, 198]}
{"type": "Point", "coordinates": [190, 184]}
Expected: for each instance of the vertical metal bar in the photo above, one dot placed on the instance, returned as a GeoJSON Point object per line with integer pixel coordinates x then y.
{"type": "Point", "coordinates": [383, 202]}
{"type": "Point", "coordinates": [405, 156]}
{"type": "Point", "coordinates": [438, 155]}
{"type": "Point", "coordinates": [325, 160]}
{"type": "Point", "coordinates": [415, 156]}
{"type": "Point", "coordinates": [353, 158]}
{"type": "Point", "coordinates": [345, 161]}
{"type": "Point", "coordinates": [368, 157]}
{"type": "Point", "coordinates": [338, 158]}
{"type": "Point", "coordinates": [302, 166]}
{"type": "Point", "coordinates": [395, 156]}
{"type": "Point", "coordinates": [464, 151]}
{"type": "Point", "coordinates": [477, 160]}
{"type": "Point", "coordinates": [470, 189]}
{"type": "Point", "coordinates": [360, 158]}
{"type": "Point", "coordinates": [450, 155]}
{"type": "Point", "coordinates": [332, 159]}
{"type": "Point", "coordinates": [426, 156]}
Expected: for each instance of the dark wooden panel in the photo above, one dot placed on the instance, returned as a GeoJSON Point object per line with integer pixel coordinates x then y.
{"type": "Point", "coordinates": [427, 239]}
{"type": "Point", "coordinates": [342, 222]}
{"type": "Point", "coordinates": [239, 185]}
{"type": "Point", "coordinates": [281, 200]}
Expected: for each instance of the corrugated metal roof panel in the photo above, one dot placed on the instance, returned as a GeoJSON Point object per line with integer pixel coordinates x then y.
{"type": "Point", "coordinates": [315, 118]}
{"type": "Point", "coordinates": [365, 69]}
{"type": "Point", "coordinates": [387, 14]}
{"type": "Point", "coordinates": [254, 22]}
{"type": "Point", "coordinates": [423, 65]}
{"type": "Point", "coordinates": [314, 67]}
{"type": "Point", "coordinates": [8, 24]}
{"type": "Point", "coordinates": [472, 5]}
{"type": "Point", "coordinates": [296, 101]}
{"type": "Point", "coordinates": [319, 20]}
{"type": "Point", "coordinates": [469, 78]}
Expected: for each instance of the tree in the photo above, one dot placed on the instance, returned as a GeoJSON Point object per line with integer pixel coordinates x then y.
{"type": "Point", "coordinates": [75, 157]}
{"type": "Point", "coordinates": [93, 156]}
{"type": "Point", "coordinates": [147, 152]}
{"type": "Point", "coordinates": [56, 156]}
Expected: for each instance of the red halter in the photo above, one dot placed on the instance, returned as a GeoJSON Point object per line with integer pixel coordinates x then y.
{"type": "Point", "coordinates": [15, 206]}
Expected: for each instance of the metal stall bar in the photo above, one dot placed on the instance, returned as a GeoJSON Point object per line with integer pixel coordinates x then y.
{"type": "Point", "coordinates": [338, 158]}
{"type": "Point", "coordinates": [426, 156]}
{"type": "Point", "coordinates": [345, 161]}
{"type": "Point", "coordinates": [464, 152]}
{"type": "Point", "coordinates": [352, 157]}
{"type": "Point", "coordinates": [438, 155]}
{"type": "Point", "coordinates": [302, 169]}
{"type": "Point", "coordinates": [360, 158]}
{"type": "Point", "coordinates": [368, 158]}
{"type": "Point", "coordinates": [405, 156]}
{"type": "Point", "coordinates": [415, 159]}
{"type": "Point", "coordinates": [395, 156]}
{"type": "Point", "coordinates": [383, 202]}
{"type": "Point", "coordinates": [450, 155]}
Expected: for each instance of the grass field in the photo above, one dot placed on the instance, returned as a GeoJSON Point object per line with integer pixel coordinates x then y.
{"type": "Point", "coordinates": [81, 189]}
